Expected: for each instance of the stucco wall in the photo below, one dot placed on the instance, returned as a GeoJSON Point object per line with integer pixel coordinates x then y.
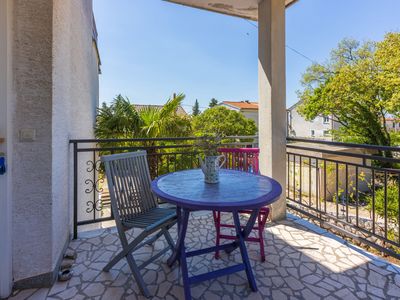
{"type": "Point", "coordinates": [56, 87]}
{"type": "Point", "coordinates": [252, 115]}
{"type": "Point", "coordinates": [5, 148]}
{"type": "Point", "coordinates": [299, 127]}
{"type": "Point", "coordinates": [32, 168]}
{"type": "Point", "coordinates": [75, 98]}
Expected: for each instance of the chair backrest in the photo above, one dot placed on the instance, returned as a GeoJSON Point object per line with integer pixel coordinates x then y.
{"type": "Point", "coordinates": [129, 183]}
{"type": "Point", "coordinates": [242, 159]}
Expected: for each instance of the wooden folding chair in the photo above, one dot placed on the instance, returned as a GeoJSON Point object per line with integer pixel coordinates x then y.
{"type": "Point", "coordinates": [134, 206]}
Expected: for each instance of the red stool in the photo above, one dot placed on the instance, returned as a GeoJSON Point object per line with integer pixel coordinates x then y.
{"type": "Point", "coordinates": [242, 159]}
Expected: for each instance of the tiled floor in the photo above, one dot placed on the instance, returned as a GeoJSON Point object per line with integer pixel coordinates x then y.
{"type": "Point", "coordinates": [301, 264]}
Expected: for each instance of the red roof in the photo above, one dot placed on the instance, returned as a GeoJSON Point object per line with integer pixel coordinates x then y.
{"type": "Point", "coordinates": [243, 104]}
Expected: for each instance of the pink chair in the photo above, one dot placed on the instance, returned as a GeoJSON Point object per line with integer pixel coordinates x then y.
{"type": "Point", "coordinates": [242, 159]}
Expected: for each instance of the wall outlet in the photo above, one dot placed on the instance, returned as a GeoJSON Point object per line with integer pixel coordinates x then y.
{"type": "Point", "coordinates": [27, 135]}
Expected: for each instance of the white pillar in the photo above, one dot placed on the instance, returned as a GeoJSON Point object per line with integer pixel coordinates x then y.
{"type": "Point", "coordinates": [272, 96]}
{"type": "Point", "coordinates": [5, 132]}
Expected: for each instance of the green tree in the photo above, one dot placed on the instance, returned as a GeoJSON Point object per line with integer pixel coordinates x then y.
{"type": "Point", "coordinates": [196, 109]}
{"type": "Point", "coordinates": [121, 120]}
{"type": "Point", "coordinates": [213, 102]}
{"type": "Point", "coordinates": [222, 121]}
{"type": "Point", "coordinates": [118, 120]}
{"type": "Point", "coordinates": [359, 86]}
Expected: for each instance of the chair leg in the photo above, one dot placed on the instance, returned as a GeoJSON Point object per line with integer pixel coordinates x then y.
{"type": "Point", "coordinates": [261, 237]}
{"type": "Point", "coordinates": [217, 223]}
{"type": "Point", "coordinates": [126, 249]}
{"type": "Point", "coordinates": [136, 274]}
{"type": "Point", "coordinates": [169, 239]}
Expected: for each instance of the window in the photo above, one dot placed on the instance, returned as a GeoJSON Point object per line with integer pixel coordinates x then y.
{"type": "Point", "coordinates": [394, 125]}
{"type": "Point", "coordinates": [312, 133]}
{"type": "Point", "coordinates": [326, 120]}
{"type": "Point", "coordinates": [326, 133]}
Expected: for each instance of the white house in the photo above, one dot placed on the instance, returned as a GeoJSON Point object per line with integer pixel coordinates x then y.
{"type": "Point", "coordinates": [393, 124]}
{"type": "Point", "coordinates": [319, 128]}
{"type": "Point", "coordinates": [247, 108]}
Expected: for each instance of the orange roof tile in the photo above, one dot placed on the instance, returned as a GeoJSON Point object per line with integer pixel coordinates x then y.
{"type": "Point", "coordinates": [242, 104]}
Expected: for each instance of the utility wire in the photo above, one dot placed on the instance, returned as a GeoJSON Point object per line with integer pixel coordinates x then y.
{"type": "Point", "coordinates": [287, 46]}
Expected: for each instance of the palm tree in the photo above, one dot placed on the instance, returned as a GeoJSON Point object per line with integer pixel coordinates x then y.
{"type": "Point", "coordinates": [164, 121]}
{"type": "Point", "coordinates": [119, 120]}
{"type": "Point", "coordinates": [122, 120]}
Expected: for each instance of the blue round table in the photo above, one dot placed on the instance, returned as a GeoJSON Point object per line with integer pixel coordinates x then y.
{"type": "Point", "coordinates": [235, 191]}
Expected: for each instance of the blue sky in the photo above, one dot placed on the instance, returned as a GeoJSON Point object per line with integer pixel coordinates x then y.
{"type": "Point", "coordinates": [151, 48]}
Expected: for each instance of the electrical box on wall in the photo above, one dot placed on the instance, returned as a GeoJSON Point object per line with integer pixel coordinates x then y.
{"type": "Point", "coordinates": [2, 163]}
{"type": "Point", "coordinates": [2, 160]}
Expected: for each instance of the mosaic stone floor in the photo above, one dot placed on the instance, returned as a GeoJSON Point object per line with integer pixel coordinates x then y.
{"type": "Point", "coordinates": [303, 262]}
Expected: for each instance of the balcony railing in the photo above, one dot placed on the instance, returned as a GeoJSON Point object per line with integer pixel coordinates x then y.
{"type": "Point", "coordinates": [90, 193]}
{"type": "Point", "coordinates": [353, 189]}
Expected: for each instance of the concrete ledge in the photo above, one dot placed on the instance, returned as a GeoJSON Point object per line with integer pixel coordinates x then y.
{"type": "Point", "coordinates": [42, 280]}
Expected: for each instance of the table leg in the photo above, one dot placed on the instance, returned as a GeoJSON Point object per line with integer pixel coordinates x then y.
{"type": "Point", "coordinates": [180, 243]}
{"type": "Point", "coordinates": [242, 235]}
{"type": "Point", "coordinates": [246, 230]}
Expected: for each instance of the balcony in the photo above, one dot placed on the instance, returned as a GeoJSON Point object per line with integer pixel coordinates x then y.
{"type": "Point", "coordinates": [337, 186]}
{"type": "Point", "coordinates": [303, 262]}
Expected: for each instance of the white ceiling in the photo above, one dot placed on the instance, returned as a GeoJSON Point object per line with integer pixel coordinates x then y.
{"type": "Point", "coordinates": [240, 8]}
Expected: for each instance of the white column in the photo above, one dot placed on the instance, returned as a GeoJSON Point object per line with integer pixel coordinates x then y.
{"type": "Point", "coordinates": [272, 96]}
{"type": "Point", "coordinates": [5, 132]}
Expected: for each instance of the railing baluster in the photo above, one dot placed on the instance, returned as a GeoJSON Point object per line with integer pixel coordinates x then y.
{"type": "Point", "coordinates": [398, 207]}
{"type": "Point", "coordinates": [288, 176]}
{"type": "Point", "coordinates": [373, 201]}
{"type": "Point", "coordinates": [385, 202]}
{"type": "Point", "coordinates": [301, 178]}
{"type": "Point", "coordinates": [317, 184]}
{"type": "Point", "coordinates": [337, 190]}
{"type": "Point", "coordinates": [309, 181]}
{"type": "Point", "coordinates": [325, 183]}
{"type": "Point", "coordinates": [347, 192]}
{"type": "Point", "coordinates": [357, 196]}
{"type": "Point", "coordinates": [294, 177]}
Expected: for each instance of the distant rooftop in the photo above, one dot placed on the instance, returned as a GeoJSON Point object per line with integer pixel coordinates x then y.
{"type": "Point", "coordinates": [180, 111]}
{"type": "Point", "coordinates": [246, 104]}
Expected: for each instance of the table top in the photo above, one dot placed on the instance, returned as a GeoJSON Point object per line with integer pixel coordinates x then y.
{"type": "Point", "coordinates": [235, 190]}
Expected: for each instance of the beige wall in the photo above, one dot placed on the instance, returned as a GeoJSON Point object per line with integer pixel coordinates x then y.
{"type": "Point", "coordinates": [56, 91]}
{"type": "Point", "coordinates": [251, 114]}
{"type": "Point", "coordinates": [299, 127]}
{"type": "Point", "coordinates": [32, 180]}
{"type": "Point", "coordinates": [5, 148]}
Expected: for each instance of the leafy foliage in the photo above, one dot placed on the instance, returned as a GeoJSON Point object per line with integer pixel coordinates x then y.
{"type": "Point", "coordinates": [392, 202]}
{"type": "Point", "coordinates": [119, 120]}
{"type": "Point", "coordinates": [209, 144]}
{"type": "Point", "coordinates": [223, 122]}
{"type": "Point", "coordinates": [359, 86]}
{"type": "Point", "coordinates": [122, 120]}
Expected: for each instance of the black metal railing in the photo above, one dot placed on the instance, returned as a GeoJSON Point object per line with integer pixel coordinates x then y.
{"type": "Point", "coordinates": [90, 192]}
{"type": "Point", "coordinates": [351, 188]}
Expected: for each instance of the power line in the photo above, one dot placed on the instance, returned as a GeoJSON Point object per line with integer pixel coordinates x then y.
{"type": "Point", "coordinates": [287, 46]}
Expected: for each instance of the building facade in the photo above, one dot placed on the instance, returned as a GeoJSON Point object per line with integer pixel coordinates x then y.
{"type": "Point", "coordinates": [49, 93]}
{"type": "Point", "coordinates": [320, 128]}
{"type": "Point", "coordinates": [247, 108]}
